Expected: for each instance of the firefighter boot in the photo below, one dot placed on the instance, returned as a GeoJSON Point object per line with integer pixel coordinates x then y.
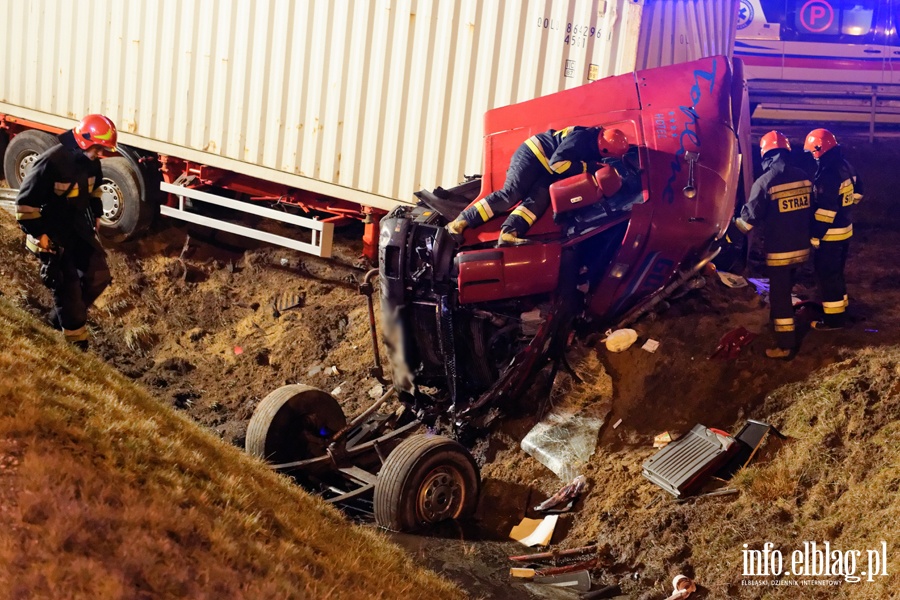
{"type": "Point", "coordinates": [509, 238]}
{"type": "Point", "coordinates": [779, 353]}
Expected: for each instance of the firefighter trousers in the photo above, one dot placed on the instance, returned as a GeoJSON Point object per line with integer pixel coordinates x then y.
{"type": "Point", "coordinates": [83, 276]}
{"type": "Point", "coordinates": [781, 306]}
{"type": "Point", "coordinates": [528, 182]}
{"type": "Point", "coordinates": [831, 258]}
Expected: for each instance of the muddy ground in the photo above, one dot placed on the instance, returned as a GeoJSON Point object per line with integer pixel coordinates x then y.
{"type": "Point", "coordinates": [196, 324]}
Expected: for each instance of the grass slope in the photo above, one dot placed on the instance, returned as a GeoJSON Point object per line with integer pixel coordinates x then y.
{"type": "Point", "coordinates": [104, 493]}
{"type": "Point", "coordinates": [836, 480]}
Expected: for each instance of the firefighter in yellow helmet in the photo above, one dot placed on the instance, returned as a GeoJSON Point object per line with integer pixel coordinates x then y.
{"type": "Point", "coordinates": [837, 188]}
{"type": "Point", "coordinates": [58, 207]}
{"type": "Point", "coordinates": [780, 204]}
{"type": "Point", "coordinates": [541, 160]}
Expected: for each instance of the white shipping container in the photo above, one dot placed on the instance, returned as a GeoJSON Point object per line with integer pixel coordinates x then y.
{"type": "Point", "coordinates": [361, 100]}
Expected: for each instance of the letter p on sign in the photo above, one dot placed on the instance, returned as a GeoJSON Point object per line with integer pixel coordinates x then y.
{"type": "Point", "coordinates": [817, 16]}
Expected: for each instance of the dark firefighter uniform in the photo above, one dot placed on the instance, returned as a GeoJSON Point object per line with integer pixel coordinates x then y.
{"type": "Point", "coordinates": [837, 188]}
{"type": "Point", "coordinates": [541, 160]}
{"type": "Point", "coordinates": [60, 198]}
{"type": "Point", "coordinates": [780, 202]}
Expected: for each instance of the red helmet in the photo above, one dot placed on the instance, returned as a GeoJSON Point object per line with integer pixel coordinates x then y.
{"type": "Point", "coordinates": [819, 141]}
{"type": "Point", "coordinates": [772, 141]}
{"type": "Point", "coordinates": [95, 130]}
{"type": "Point", "coordinates": [612, 142]}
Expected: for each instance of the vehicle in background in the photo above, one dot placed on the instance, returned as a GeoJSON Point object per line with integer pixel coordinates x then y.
{"type": "Point", "coordinates": [819, 40]}
{"type": "Point", "coordinates": [318, 113]}
{"type": "Point", "coordinates": [821, 59]}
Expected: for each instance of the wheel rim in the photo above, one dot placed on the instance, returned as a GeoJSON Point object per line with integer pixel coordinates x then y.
{"type": "Point", "coordinates": [441, 495]}
{"type": "Point", "coordinates": [25, 164]}
{"type": "Point", "coordinates": [111, 196]}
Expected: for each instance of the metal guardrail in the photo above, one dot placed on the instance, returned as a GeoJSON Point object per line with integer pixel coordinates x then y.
{"type": "Point", "coordinates": [826, 101]}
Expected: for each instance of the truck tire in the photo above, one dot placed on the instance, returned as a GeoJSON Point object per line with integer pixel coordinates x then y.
{"type": "Point", "coordinates": [22, 152]}
{"type": "Point", "coordinates": [293, 423]}
{"type": "Point", "coordinates": [125, 213]}
{"type": "Point", "coordinates": [425, 480]}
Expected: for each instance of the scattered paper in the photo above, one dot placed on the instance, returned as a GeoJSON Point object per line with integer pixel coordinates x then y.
{"type": "Point", "coordinates": [521, 572]}
{"type": "Point", "coordinates": [650, 345]}
{"type": "Point", "coordinates": [534, 532]}
{"type": "Point", "coordinates": [662, 440]}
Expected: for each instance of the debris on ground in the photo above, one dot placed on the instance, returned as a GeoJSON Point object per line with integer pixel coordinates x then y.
{"type": "Point", "coordinates": [521, 572]}
{"type": "Point", "coordinates": [731, 343]}
{"type": "Point", "coordinates": [534, 532]}
{"type": "Point", "coordinates": [564, 441]}
{"type": "Point", "coordinates": [650, 346]}
{"type": "Point", "coordinates": [555, 554]}
{"type": "Point", "coordinates": [748, 440]}
{"type": "Point", "coordinates": [683, 587]}
{"type": "Point", "coordinates": [620, 339]}
{"type": "Point", "coordinates": [579, 581]}
{"type": "Point", "coordinates": [564, 499]}
{"type": "Point", "coordinates": [662, 440]}
{"type": "Point", "coordinates": [731, 280]}
{"type": "Point", "coordinates": [685, 465]}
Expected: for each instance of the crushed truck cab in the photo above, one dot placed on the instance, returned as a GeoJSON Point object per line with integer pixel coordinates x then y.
{"type": "Point", "coordinates": [469, 324]}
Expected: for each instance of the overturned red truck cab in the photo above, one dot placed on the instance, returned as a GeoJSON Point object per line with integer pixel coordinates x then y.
{"type": "Point", "coordinates": [470, 323]}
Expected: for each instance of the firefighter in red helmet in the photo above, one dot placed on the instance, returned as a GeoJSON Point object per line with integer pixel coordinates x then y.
{"type": "Point", "coordinates": [837, 188]}
{"type": "Point", "coordinates": [59, 207]}
{"type": "Point", "coordinates": [541, 160]}
{"type": "Point", "coordinates": [780, 203]}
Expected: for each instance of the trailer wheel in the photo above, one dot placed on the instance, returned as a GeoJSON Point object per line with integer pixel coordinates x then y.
{"type": "Point", "coordinates": [23, 152]}
{"type": "Point", "coordinates": [125, 214]}
{"type": "Point", "coordinates": [293, 423]}
{"type": "Point", "coordinates": [425, 480]}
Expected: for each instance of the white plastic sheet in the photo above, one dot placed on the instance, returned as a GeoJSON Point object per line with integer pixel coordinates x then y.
{"type": "Point", "coordinates": [566, 438]}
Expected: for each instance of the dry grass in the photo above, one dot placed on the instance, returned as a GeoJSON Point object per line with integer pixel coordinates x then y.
{"type": "Point", "coordinates": [837, 480]}
{"type": "Point", "coordinates": [139, 338]}
{"type": "Point", "coordinates": [104, 493]}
